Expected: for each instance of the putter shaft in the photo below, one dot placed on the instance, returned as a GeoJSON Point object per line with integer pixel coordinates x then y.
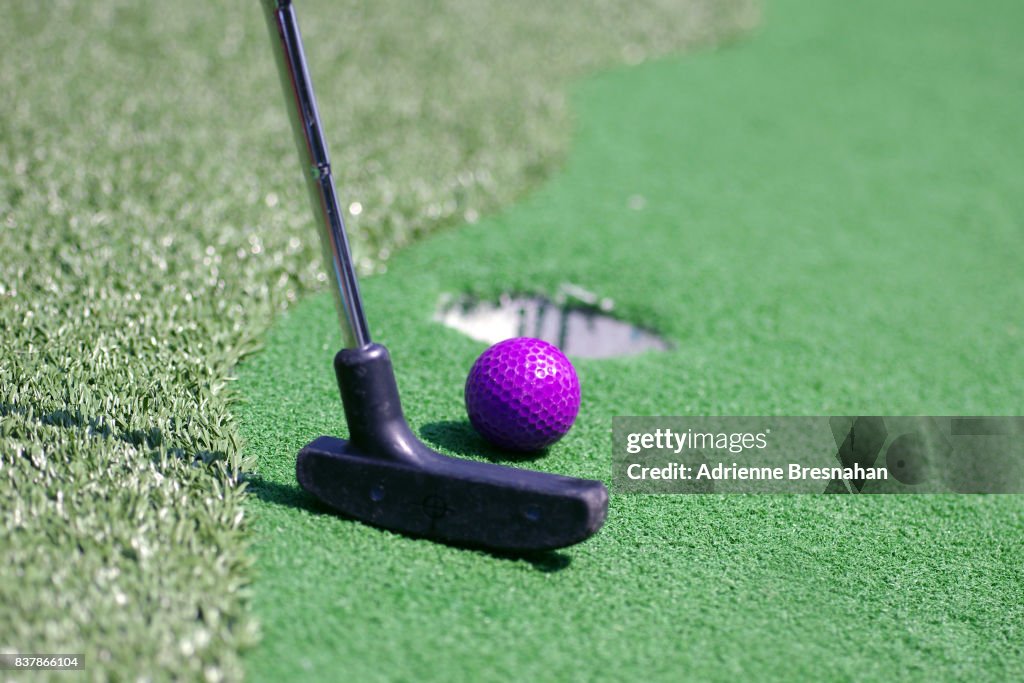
{"type": "Point", "coordinates": [383, 474]}
{"type": "Point", "coordinates": [298, 89]}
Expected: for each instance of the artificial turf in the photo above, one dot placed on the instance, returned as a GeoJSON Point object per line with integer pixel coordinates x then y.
{"type": "Point", "coordinates": [831, 224]}
{"type": "Point", "coordinates": [151, 224]}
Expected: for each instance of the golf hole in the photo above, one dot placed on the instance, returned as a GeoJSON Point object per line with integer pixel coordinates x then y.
{"type": "Point", "coordinates": [578, 322]}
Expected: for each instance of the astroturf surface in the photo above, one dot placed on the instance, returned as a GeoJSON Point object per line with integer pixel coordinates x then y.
{"type": "Point", "coordinates": [152, 223]}
{"type": "Point", "coordinates": [830, 223]}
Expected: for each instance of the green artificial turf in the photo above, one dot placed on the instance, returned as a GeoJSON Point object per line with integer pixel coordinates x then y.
{"type": "Point", "coordinates": [831, 224]}
{"type": "Point", "coordinates": [151, 224]}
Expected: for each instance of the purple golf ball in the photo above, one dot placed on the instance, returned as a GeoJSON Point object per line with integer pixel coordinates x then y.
{"type": "Point", "coordinates": [522, 394]}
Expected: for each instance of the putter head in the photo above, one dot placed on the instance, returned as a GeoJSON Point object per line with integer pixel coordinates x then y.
{"type": "Point", "coordinates": [385, 476]}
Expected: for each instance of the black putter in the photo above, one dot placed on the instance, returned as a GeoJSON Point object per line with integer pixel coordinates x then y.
{"type": "Point", "coordinates": [383, 474]}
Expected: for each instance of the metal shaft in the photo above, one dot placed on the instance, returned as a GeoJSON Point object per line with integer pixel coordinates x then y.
{"type": "Point", "coordinates": [298, 90]}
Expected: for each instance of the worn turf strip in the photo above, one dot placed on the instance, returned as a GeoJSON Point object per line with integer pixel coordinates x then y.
{"type": "Point", "coordinates": [151, 222]}
{"type": "Point", "coordinates": [829, 222]}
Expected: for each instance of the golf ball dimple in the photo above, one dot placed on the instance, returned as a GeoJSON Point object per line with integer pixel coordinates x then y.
{"type": "Point", "coordinates": [522, 394]}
